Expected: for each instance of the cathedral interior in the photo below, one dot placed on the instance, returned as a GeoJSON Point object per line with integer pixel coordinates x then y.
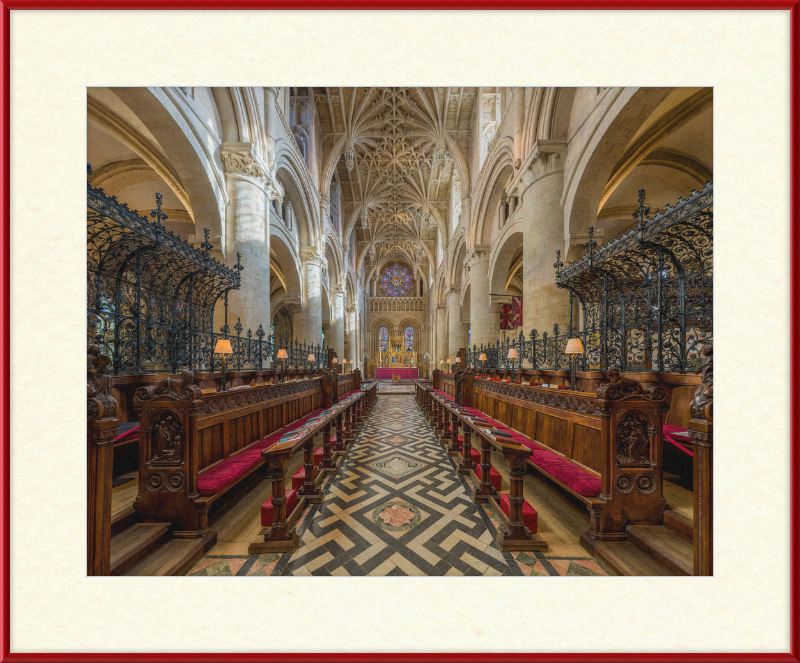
{"type": "Point", "coordinates": [400, 331]}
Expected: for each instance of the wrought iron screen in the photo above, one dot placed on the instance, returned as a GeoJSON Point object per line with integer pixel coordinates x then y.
{"type": "Point", "coordinates": [151, 297]}
{"type": "Point", "coordinates": [645, 299]}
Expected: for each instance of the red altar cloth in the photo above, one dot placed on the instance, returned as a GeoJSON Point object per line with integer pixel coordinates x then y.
{"type": "Point", "coordinates": [405, 373]}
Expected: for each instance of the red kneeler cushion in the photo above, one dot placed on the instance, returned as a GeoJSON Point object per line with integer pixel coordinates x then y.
{"type": "Point", "coordinates": [299, 479]}
{"type": "Point", "coordinates": [495, 478]}
{"type": "Point", "coordinates": [267, 510]}
{"type": "Point", "coordinates": [319, 454]}
{"type": "Point", "coordinates": [529, 515]}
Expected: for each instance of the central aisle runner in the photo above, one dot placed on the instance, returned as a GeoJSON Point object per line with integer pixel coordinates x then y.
{"type": "Point", "coordinates": [397, 507]}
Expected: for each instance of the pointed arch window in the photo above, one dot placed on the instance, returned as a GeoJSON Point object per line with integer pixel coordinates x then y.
{"type": "Point", "coordinates": [409, 338]}
{"type": "Point", "coordinates": [383, 339]}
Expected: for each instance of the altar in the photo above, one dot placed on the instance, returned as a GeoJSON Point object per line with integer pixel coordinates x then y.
{"type": "Point", "coordinates": [405, 372]}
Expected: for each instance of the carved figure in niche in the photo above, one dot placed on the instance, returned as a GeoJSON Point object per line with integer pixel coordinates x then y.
{"type": "Point", "coordinates": [704, 394]}
{"type": "Point", "coordinates": [167, 440]}
{"type": "Point", "coordinates": [619, 386]}
{"type": "Point", "coordinates": [633, 443]}
{"type": "Point", "coordinates": [98, 384]}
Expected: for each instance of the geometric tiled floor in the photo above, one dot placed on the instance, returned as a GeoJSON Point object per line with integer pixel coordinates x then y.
{"type": "Point", "coordinates": [397, 507]}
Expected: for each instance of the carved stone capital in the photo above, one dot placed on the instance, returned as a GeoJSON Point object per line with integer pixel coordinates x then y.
{"type": "Point", "coordinates": [338, 290]}
{"type": "Point", "coordinates": [477, 254]}
{"type": "Point", "coordinates": [547, 157]}
{"type": "Point", "coordinates": [309, 255]}
{"type": "Point", "coordinates": [241, 162]}
{"type": "Point", "coordinates": [441, 307]}
{"type": "Point", "coordinates": [454, 290]}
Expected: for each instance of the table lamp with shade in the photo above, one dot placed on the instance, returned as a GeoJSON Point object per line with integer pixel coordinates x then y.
{"type": "Point", "coordinates": [352, 363]}
{"type": "Point", "coordinates": [514, 355]}
{"type": "Point", "coordinates": [448, 364]}
{"type": "Point", "coordinates": [223, 347]}
{"type": "Point", "coordinates": [574, 347]}
{"type": "Point", "coordinates": [282, 354]}
{"type": "Point", "coordinates": [311, 359]}
{"type": "Point", "coordinates": [482, 359]}
{"type": "Point", "coordinates": [335, 362]}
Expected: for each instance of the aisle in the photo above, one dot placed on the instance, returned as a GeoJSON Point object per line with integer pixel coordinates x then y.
{"type": "Point", "coordinates": [397, 508]}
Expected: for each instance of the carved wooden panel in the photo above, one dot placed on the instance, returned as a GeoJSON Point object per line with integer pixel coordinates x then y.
{"type": "Point", "coordinates": [634, 437]}
{"type": "Point", "coordinates": [166, 439]}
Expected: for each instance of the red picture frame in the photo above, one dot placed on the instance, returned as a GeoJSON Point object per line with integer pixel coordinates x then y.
{"type": "Point", "coordinates": [792, 6]}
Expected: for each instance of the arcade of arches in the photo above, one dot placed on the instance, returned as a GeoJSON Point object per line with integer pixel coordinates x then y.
{"type": "Point", "coordinates": [403, 225]}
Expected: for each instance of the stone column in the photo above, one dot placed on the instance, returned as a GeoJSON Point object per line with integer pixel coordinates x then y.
{"type": "Point", "coordinates": [542, 184]}
{"type": "Point", "coordinates": [336, 338]}
{"type": "Point", "coordinates": [441, 335]}
{"type": "Point", "coordinates": [457, 335]}
{"type": "Point", "coordinates": [308, 322]}
{"type": "Point", "coordinates": [352, 334]}
{"type": "Point", "coordinates": [519, 123]}
{"type": "Point", "coordinates": [483, 325]}
{"type": "Point", "coordinates": [271, 122]}
{"type": "Point", "coordinates": [250, 188]}
{"type": "Point", "coordinates": [288, 214]}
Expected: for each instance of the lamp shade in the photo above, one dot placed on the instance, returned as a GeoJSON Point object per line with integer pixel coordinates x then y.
{"type": "Point", "coordinates": [513, 354]}
{"type": "Point", "coordinates": [223, 347]}
{"type": "Point", "coordinates": [482, 357]}
{"type": "Point", "coordinates": [441, 361]}
{"type": "Point", "coordinates": [574, 347]}
{"type": "Point", "coordinates": [352, 362]}
{"type": "Point", "coordinates": [311, 357]}
{"type": "Point", "coordinates": [335, 360]}
{"type": "Point", "coordinates": [282, 354]}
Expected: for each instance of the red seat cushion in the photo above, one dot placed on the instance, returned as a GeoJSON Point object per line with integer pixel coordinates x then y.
{"type": "Point", "coordinates": [667, 429]}
{"type": "Point", "coordinates": [556, 466]}
{"type": "Point", "coordinates": [319, 454]}
{"type": "Point", "coordinates": [133, 432]}
{"type": "Point", "coordinates": [267, 510]}
{"type": "Point", "coordinates": [529, 515]}
{"type": "Point", "coordinates": [227, 472]}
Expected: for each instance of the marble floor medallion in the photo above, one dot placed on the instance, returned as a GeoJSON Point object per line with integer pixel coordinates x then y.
{"type": "Point", "coordinates": [397, 466]}
{"type": "Point", "coordinates": [396, 516]}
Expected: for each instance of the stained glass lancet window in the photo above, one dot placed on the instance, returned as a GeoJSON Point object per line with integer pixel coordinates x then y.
{"type": "Point", "coordinates": [409, 334]}
{"type": "Point", "coordinates": [383, 339]}
{"type": "Point", "coordinates": [396, 281]}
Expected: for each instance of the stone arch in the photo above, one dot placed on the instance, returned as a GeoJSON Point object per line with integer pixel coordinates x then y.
{"type": "Point", "coordinates": [290, 266]}
{"type": "Point", "coordinates": [304, 202]}
{"type": "Point", "coordinates": [293, 192]}
{"type": "Point", "coordinates": [504, 250]}
{"type": "Point", "coordinates": [197, 168]}
{"type": "Point", "coordinates": [499, 169]}
{"type": "Point", "coordinates": [590, 169]}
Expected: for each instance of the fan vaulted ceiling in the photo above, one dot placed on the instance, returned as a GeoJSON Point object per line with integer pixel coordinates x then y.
{"type": "Point", "coordinates": [397, 163]}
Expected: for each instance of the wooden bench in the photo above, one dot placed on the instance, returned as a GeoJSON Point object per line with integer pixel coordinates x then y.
{"type": "Point", "coordinates": [604, 448]}
{"type": "Point", "coordinates": [518, 530]}
{"type": "Point", "coordinates": [281, 510]}
{"type": "Point", "coordinates": [196, 447]}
